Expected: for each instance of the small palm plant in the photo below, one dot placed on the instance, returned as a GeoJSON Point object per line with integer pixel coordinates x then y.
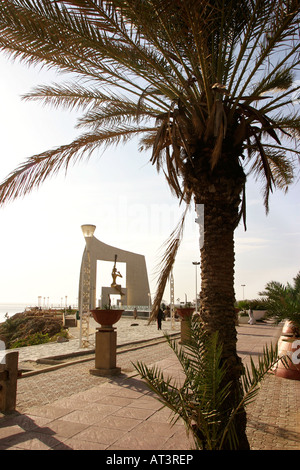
{"type": "Point", "coordinates": [201, 401]}
{"type": "Point", "coordinates": [283, 302]}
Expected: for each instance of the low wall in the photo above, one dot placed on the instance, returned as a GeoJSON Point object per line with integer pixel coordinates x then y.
{"type": "Point", "coordinates": [140, 314]}
{"type": "Point", "coordinates": [258, 315]}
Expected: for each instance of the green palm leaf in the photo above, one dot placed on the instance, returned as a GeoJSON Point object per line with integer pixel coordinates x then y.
{"type": "Point", "coordinates": [201, 399]}
{"type": "Point", "coordinates": [283, 301]}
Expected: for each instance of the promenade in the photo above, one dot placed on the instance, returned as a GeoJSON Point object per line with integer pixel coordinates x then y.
{"type": "Point", "coordinates": [61, 406]}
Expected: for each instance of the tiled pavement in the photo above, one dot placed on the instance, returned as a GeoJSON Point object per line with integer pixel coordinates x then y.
{"type": "Point", "coordinates": [128, 331]}
{"type": "Point", "coordinates": [120, 413]}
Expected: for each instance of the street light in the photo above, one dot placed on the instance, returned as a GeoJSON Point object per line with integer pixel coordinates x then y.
{"type": "Point", "coordinates": [88, 230]}
{"type": "Point", "coordinates": [172, 293]}
{"type": "Point", "coordinates": [149, 302]}
{"type": "Point", "coordinates": [196, 263]}
{"type": "Point", "coordinates": [243, 286]}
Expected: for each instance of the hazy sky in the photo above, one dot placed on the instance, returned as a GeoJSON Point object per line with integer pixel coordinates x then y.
{"type": "Point", "coordinates": [41, 243]}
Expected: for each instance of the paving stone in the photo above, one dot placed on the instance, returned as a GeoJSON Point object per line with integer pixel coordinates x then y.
{"type": "Point", "coordinates": [70, 409]}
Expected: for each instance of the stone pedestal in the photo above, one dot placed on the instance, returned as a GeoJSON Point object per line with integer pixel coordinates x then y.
{"type": "Point", "coordinates": [106, 353]}
{"type": "Point", "coordinates": [185, 330]}
{"type": "Point", "coordinates": [107, 291]}
{"type": "Point", "coordinates": [8, 381]}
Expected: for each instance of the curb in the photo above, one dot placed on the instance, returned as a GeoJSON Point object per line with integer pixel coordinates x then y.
{"type": "Point", "coordinates": [142, 343]}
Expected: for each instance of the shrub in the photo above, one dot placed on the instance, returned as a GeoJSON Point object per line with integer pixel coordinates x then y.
{"type": "Point", "coordinates": [30, 340]}
{"type": "Point", "coordinates": [26, 329]}
{"type": "Point", "coordinates": [255, 304]}
{"type": "Point", "coordinates": [201, 401]}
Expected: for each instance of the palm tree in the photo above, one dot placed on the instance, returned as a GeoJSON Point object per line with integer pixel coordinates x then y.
{"type": "Point", "coordinates": [207, 86]}
{"type": "Point", "coordinates": [283, 302]}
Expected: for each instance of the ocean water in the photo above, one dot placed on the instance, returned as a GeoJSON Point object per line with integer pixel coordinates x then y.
{"type": "Point", "coordinates": [11, 309]}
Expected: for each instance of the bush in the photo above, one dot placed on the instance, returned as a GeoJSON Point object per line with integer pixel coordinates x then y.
{"type": "Point", "coordinates": [283, 301]}
{"type": "Point", "coordinates": [202, 399]}
{"type": "Point", "coordinates": [30, 340]}
{"type": "Point", "coordinates": [26, 329]}
{"type": "Point", "coordinates": [37, 338]}
{"type": "Point", "coordinates": [255, 304]}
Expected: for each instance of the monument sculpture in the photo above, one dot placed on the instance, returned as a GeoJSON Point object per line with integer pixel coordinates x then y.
{"type": "Point", "coordinates": [115, 273]}
{"type": "Point", "coordinates": [137, 285]}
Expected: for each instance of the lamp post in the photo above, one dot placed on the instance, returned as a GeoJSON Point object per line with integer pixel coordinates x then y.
{"type": "Point", "coordinates": [85, 286]}
{"type": "Point", "coordinates": [172, 312]}
{"type": "Point", "coordinates": [243, 286]}
{"type": "Point", "coordinates": [196, 263]}
{"type": "Point", "coordinates": [149, 302]}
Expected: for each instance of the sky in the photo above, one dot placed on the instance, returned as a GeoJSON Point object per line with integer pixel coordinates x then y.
{"type": "Point", "coordinates": [119, 191]}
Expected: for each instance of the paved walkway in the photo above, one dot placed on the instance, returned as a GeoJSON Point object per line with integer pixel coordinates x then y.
{"type": "Point", "coordinates": [128, 331]}
{"type": "Point", "coordinates": [86, 412]}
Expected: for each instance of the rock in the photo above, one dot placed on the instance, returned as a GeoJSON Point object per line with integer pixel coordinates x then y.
{"type": "Point", "coordinates": [61, 339]}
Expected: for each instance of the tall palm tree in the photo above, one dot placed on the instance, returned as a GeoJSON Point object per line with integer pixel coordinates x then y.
{"type": "Point", "coordinates": [207, 85]}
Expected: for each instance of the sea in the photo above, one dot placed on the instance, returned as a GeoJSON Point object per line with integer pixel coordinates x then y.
{"type": "Point", "coordinates": [11, 309]}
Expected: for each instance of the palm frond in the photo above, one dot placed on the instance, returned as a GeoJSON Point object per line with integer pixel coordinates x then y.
{"type": "Point", "coordinates": [280, 167]}
{"type": "Point", "coordinates": [36, 169]}
{"type": "Point", "coordinates": [288, 125]}
{"type": "Point", "coordinates": [251, 380]}
{"type": "Point", "coordinates": [83, 47]}
{"type": "Point", "coordinates": [201, 399]}
{"type": "Point", "coordinates": [281, 80]}
{"type": "Point", "coordinates": [118, 111]}
{"type": "Point", "coordinates": [283, 301]}
{"type": "Point", "coordinates": [274, 23]}
{"type": "Point", "coordinates": [171, 248]}
{"type": "Point", "coordinates": [69, 96]}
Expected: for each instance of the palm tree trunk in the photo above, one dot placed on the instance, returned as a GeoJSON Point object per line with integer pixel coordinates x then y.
{"type": "Point", "coordinates": [217, 298]}
{"type": "Point", "coordinates": [220, 191]}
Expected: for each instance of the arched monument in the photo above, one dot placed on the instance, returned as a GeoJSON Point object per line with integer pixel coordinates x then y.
{"type": "Point", "coordinates": [137, 284]}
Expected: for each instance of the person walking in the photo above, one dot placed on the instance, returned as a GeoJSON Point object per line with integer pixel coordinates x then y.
{"type": "Point", "coordinates": [159, 318]}
{"type": "Point", "coordinates": [251, 317]}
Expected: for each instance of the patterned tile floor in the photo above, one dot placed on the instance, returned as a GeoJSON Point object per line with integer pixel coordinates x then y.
{"type": "Point", "coordinates": [71, 409]}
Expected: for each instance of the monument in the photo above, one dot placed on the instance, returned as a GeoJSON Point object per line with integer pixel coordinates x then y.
{"type": "Point", "coordinates": [134, 294]}
{"type": "Point", "coordinates": [137, 285]}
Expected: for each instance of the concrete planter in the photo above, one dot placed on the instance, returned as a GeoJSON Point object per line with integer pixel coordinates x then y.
{"type": "Point", "coordinates": [259, 314]}
{"type": "Point", "coordinates": [107, 318]}
{"type": "Point", "coordinates": [185, 312]}
{"type": "Point", "coordinates": [106, 342]}
{"type": "Point", "coordinates": [243, 320]}
{"type": "Point", "coordinates": [289, 347]}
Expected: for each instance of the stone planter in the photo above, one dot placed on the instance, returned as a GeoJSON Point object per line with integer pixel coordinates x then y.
{"type": "Point", "coordinates": [107, 318]}
{"type": "Point", "coordinates": [259, 314]}
{"type": "Point", "coordinates": [106, 342]}
{"type": "Point", "coordinates": [243, 320]}
{"type": "Point", "coordinates": [289, 346]}
{"type": "Point", "coordinates": [185, 314]}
